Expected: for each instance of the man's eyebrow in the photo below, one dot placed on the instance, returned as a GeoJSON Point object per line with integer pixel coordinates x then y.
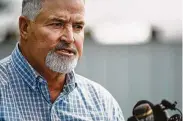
{"type": "Point", "coordinates": [80, 22]}
{"type": "Point", "coordinates": [56, 19]}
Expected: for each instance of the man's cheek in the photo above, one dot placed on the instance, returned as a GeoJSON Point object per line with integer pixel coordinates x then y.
{"type": "Point", "coordinates": [79, 39]}
{"type": "Point", "coordinates": [49, 41]}
{"type": "Point", "coordinates": [79, 46]}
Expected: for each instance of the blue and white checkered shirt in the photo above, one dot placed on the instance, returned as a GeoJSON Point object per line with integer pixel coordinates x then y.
{"type": "Point", "coordinates": [24, 96]}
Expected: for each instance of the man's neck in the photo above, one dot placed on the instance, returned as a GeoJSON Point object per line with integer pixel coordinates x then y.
{"type": "Point", "coordinates": [53, 79]}
{"type": "Point", "coordinates": [56, 83]}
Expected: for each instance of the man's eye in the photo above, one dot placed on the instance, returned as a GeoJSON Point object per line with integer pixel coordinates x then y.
{"type": "Point", "coordinates": [78, 27]}
{"type": "Point", "coordinates": [57, 25]}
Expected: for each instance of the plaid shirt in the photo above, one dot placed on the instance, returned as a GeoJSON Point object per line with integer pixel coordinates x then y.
{"type": "Point", "coordinates": [24, 96]}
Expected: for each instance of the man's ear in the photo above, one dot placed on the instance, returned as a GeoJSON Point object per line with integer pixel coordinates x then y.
{"type": "Point", "coordinates": [23, 27]}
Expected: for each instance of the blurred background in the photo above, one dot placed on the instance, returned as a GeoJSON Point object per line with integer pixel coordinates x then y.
{"type": "Point", "coordinates": [132, 48]}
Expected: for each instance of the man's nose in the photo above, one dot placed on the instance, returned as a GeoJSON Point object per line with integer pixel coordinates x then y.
{"type": "Point", "coordinates": [68, 35]}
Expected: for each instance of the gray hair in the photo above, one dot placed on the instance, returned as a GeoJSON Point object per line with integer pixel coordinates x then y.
{"type": "Point", "coordinates": [31, 8]}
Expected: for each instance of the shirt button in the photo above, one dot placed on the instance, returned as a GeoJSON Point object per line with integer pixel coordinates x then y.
{"type": "Point", "coordinates": [33, 87]}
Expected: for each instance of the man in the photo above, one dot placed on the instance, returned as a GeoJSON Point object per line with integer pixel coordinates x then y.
{"type": "Point", "coordinates": [38, 82]}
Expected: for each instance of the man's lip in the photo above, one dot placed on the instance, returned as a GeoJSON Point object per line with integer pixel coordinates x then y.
{"type": "Point", "coordinates": [65, 53]}
{"type": "Point", "coordinates": [67, 50]}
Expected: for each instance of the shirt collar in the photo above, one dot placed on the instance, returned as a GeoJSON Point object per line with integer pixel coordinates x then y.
{"type": "Point", "coordinates": [30, 75]}
{"type": "Point", "coordinates": [24, 69]}
{"type": "Point", "coordinates": [70, 83]}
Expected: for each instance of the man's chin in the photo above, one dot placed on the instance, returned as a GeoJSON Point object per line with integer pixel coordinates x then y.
{"type": "Point", "coordinates": [60, 64]}
{"type": "Point", "coordinates": [62, 72]}
{"type": "Point", "coordinates": [63, 68]}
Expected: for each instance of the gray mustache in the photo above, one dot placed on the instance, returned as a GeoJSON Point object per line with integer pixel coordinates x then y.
{"type": "Point", "coordinates": [63, 46]}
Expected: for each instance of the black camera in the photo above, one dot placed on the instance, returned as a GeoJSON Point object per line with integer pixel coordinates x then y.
{"type": "Point", "coordinates": [146, 111]}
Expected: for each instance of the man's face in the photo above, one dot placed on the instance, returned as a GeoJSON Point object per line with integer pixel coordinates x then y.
{"type": "Point", "coordinates": [55, 38]}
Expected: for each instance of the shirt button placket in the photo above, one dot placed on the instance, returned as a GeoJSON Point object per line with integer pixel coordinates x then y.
{"type": "Point", "coordinates": [54, 116]}
{"type": "Point", "coordinates": [44, 90]}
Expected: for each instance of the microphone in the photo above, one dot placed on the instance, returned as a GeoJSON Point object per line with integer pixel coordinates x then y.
{"type": "Point", "coordinates": [169, 105]}
{"type": "Point", "coordinates": [143, 111]}
{"type": "Point", "coordinates": [160, 114]}
{"type": "Point", "coordinates": [146, 111]}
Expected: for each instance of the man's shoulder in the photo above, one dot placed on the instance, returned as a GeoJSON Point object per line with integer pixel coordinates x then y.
{"type": "Point", "coordinates": [4, 66]}
{"type": "Point", "coordinates": [81, 80]}
{"type": "Point", "coordinates": [5, 61]}
{"type": "Point", "coordinates": [101, 96]}
{"type": "Point", "coordinates": [93, 86]}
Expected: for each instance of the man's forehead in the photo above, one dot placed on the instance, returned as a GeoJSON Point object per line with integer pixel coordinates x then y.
{"type": "Point", "coordinates": [65, 9]}
{"type": "Point", "coordinates": [83, 1]}
{"type": "Point", "coordinates": [66, 16]}
{"type": "Point", "coordinates": [74, 5]}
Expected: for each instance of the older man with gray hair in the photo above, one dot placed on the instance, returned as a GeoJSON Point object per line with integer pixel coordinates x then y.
{"type": "Point", "coordinates": [38, 82]}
